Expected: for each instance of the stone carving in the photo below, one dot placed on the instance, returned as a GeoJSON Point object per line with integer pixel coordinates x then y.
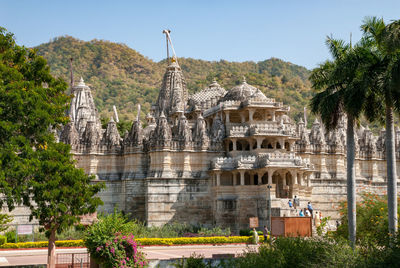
{"type": "Point", "coordinates": [111, 136]}
{"type": "Point", "coordinates": [91, 135]}
{"type": "Point", "coordinates": [70, 135]}
{"type": "Point", "coordinates": [162, 134]}
{"type": "Point", "coordinates": [200, 136]}
{"type": "Point", "coordinates": [184, 133]}
{"type": "Point", "coordinates": [217, 130]}
{"type": "Point", "coordinates": [173, 93]}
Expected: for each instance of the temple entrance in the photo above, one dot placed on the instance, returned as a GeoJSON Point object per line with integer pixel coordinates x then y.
{"type": "Point", "coordinates": [282, 180]}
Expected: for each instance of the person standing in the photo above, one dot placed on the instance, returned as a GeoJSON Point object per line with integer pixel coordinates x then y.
{"type": "Point", "coordinates": [290, 203]}
{"type": "Point", "coordinates": [265, 233]}
{"type": "Point", "coordinates": [317, 220]}
{"type": "Point", "coordinates": [301, 214]}
{"type": "Point", "coordinates": [296, 202]}
{"type": "Point", "coordinates": [310, 208]}
{"type": "Point", "coordinates": [308, 213]}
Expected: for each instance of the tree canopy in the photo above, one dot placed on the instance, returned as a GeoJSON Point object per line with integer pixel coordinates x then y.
{"type": "Point", "coordinates": [35, 170]}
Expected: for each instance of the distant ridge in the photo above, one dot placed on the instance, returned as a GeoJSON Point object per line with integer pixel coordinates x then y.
{"type": "Point", "coordinates": [121, 76]}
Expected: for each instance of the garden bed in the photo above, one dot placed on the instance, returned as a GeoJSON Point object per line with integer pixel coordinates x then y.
{"type": "Point", "coordinates": [176, 241]}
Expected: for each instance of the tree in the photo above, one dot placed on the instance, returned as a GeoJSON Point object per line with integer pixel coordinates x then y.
{"type": "Point", "coordinates": [35, 171]}
{"type": "Point", "coordinates": [386, 87]}
{"type": "Point", "coordinates": [61, 193]}
{"type": "Point", "coordinates": [340, 91]}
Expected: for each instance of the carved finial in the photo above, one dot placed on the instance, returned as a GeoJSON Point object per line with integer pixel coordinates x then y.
{"type": "Point", "coordinates": [138, 112]}
{"type": "Point", "coordinates": [81, 82]}
{"type": "Point", "coordinates": [162, 115]}
{"type": "Point", "coordinates": [244, 79]}
{"type": "Point", "coordinates": [112, 120]}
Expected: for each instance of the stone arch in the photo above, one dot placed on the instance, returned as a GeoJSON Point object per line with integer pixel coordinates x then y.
{"type": "Point", "coordinates": [254, 147]}
{"type": "Point", "coordinates": [226, 178]}
{"type": "Point", "coordinates": [264, 144]}
{"type": "Point", "coordinates": [258, 116]}
{"type": "Point", "coordinates": [287, 146]}
{"type": "Point", "coordinates": [234, 117]}
{"type": "Point", "coordinates": [278, 145]}
{"type": "Point", "coordinates": [244, 145]}
{"type": "Point", "coordinates": [230, 146]}
{"type": "Point", "coordinates": [264, 178]}
{"type": "Point", "coordinates": [255, 179]}
{"type": "Point", "coordinates": [247, 178]}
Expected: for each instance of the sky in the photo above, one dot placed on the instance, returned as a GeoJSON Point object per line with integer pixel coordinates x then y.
{"type": "Point", "coordinates": [294, 31]}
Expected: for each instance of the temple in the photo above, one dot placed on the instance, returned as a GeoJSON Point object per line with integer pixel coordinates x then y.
{"type": "Point", "coordinates": [209, 158]}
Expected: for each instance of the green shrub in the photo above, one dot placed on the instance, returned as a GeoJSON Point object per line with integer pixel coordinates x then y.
{"type": "Point", "coordinates": [3, 239]}
{"type": "Point", "coordinates": [11, 236]}
{"type": "Point", "coordinates": [299, 252]}
{"type": "Point", "coordinates": [194, 261]}
{"type": "Point", "coordinates": [372, 221]}
{"type": "Point", "coordinates": [249, 232]}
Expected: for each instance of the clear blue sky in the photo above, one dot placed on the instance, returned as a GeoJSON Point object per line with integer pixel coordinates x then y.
{"type": "Point", "coordinates": [211, 30]}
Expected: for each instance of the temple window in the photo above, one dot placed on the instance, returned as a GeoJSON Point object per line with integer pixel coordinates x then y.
{"type": "Point", "coordinates": [228, 204]}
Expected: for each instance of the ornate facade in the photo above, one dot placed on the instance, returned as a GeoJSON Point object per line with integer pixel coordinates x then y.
{"type": "Point", "coordinates": [208, 158]}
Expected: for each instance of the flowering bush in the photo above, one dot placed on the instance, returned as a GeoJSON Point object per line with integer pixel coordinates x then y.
{"type": "Point", "coordinates": [121, 251]}
{"type": "Point", "coordinates": [372, 219]}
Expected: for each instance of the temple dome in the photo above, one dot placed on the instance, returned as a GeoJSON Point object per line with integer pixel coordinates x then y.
{"type": "Point", "coordinates": [241, 92]}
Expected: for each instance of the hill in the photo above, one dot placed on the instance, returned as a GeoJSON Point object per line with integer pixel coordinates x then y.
{"type": "Point", "coordinates": [123, 77]}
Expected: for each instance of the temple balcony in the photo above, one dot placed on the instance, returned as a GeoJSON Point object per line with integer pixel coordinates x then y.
{"type": "Point", "coordinates": [276, 159]}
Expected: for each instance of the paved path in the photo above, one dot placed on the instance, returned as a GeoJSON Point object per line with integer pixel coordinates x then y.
{"type": "Point", "coordinates": [39, 256]}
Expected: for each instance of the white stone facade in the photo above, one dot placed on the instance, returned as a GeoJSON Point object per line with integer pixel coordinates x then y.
{"type": "Point", "coordinates": [207, 159]}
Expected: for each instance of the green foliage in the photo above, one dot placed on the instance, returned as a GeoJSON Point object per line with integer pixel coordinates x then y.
{"type": "Point", "coordinates": [299, 252]}
{"type": "Point", "coordinates": [372, 221]}
{"type": "Point", "coordinates": [121, 76]}
{"type": "Point", "coordinates": [44, 244]}
{"type": "Point", "coordinates": [3, 239]}
{"type": "Point", "coordinates": [36, 171]}
{"type": "Point", "coordinates": [5, 219]}
{"type": "Point", "coordinates": [31, 101]}
{"type": "Point", "coordinates": [11, 236]}
{"type": "Point", "coordinates": [194, 261]}
{"type": "Point", "coordinates": [249, 232]}
{"type": "Point", "coordinates": [323, 224]}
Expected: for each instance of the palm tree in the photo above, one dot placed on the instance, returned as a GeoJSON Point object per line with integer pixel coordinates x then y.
{"type": "Point", "coordinates": [340, 90]}
{"type": "Point", "coordinates": [386, 86]}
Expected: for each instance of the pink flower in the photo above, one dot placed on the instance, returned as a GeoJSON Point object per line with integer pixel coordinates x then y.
{"type": "Point", "coordinates": [112, 251]}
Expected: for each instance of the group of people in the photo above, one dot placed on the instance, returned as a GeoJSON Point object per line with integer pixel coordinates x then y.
{"type": "Point", "coordinates": [306, 212]}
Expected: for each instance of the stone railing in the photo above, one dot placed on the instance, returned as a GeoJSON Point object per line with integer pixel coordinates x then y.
{"type": "Point", "coordinates": [272, 128]}
{"type": "Point", "coordinates": [237, 130]}
{"type": "Point", "coordinates": [262, 101]}
{"type": "Point", "coordinates": [264, 160]}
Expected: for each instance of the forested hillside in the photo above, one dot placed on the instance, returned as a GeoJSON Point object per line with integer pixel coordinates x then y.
{"type": "Point", "coordinates": [118, 75]}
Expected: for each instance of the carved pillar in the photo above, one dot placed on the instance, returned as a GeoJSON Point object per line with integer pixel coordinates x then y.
{"type": "Point", "coordinates": [259, 177]}
{"type": "Point", "coordinates": [218, 178]}
{"type": "Point", "coordinates": [234, 145]}
{"type": "Point", "coordinates": [294, 175]}
{"type": "Point", "coordinates": [259, 142]}
{"type": "Point", "coordinates": [241, 177]}
{"type": "Point", "coordinates": [308, 180]}
{"type": "Point", "coordinates": [227, 117]}
{"type": "Point", "coordinates": [299, 175]}
{"type": "Point", "coordinates": [242, 117]}
{"type": "Point", "coordinates": [251, 113]}
{"type": "Point", "coordinates": [273, 116]}
{"type": "Point", "coordinates": [270, 172]}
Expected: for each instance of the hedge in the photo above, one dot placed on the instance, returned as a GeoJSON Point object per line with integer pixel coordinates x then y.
{"type": "Point", "coordinates": [44, 244]}
{"type": "Point", "coordinates": [143, 241]}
